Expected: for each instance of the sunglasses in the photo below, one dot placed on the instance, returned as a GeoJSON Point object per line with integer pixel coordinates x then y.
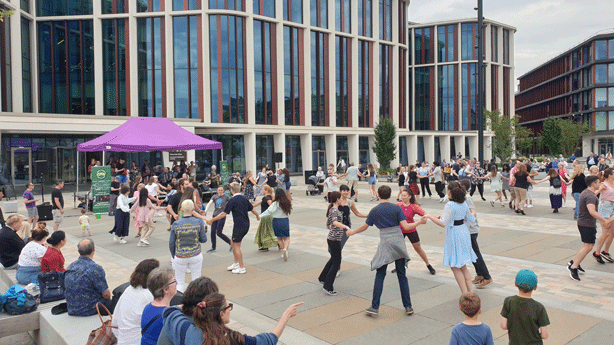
{"type": "Point", "coordinates": [171, 283]}
{"type": "Point", "coordinates": [230, 305]}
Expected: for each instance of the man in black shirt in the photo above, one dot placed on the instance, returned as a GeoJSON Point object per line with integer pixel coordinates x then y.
{"type": "Point", "coordinates": [10, 243]}
{"type": "Point", "coordinates": [114, 195]}
{"type": "Point", "coordinates": [119, 167]}
{"type": "Point", "coordinates": [173, 204]}
{"type": "Point", "coordinates": [58, 204]}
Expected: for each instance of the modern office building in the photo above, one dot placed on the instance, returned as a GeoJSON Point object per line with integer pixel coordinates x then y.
{"type": "Point", "coordinates": [307, 78]}
{"type": "Point", "coordinates": [577, 84]}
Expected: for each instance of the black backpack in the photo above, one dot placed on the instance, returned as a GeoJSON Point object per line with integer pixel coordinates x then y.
{"type": "Point", "coordinates": [556, 182]}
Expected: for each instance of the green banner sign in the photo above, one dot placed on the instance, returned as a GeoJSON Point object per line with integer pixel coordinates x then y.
{"type": "Point", "coordinates": [101, 181]}
{"type": "Point", "coordinates": [224, 173]}
{"type": "Point", "coordinates": [101, 207]}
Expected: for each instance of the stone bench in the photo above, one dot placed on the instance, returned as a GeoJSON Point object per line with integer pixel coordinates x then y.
{"type": "Point", "coordinates": [66, 330]}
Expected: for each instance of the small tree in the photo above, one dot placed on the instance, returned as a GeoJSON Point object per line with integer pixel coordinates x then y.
{"type": "Point", "coordinates": [571, 132]}
{"type": "Point", "coordinates": [385, 146]}
{"type": "Point", "coordinates": [506, 130]}
{"type": "Point", "coordinates": [5, 14]}
{"type": "Point", "coordinates": [552, 137]}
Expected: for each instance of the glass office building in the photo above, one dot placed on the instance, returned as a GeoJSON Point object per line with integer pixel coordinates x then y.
{"type": "Point", "coordinates": [305, 78]}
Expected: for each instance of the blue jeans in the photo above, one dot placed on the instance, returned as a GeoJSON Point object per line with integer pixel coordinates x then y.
{"type": "Point", "coordinates": [576, 197]}
{"type": "Point", "coordinates": [403, 284]}
{"type": "Point", "coordinates": [27, 274]}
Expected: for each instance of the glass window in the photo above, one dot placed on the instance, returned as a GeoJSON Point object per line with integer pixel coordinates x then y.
{"type": "Point", "coordinates": [180, 5]}
{"type": "Point", "coordinates": [601, 97]}
{"type": "Point", "coordinates": [469, 81]}
{"type": "Point", "coordinates": [403, 5]}
{"type": "Point", "coordinates": [265, 151]}
{"type": "Point", "coordinates": [446, 101]}
{"type": "Point", "coordinates": [319, 79]}
{"type": "Point", "coordinates": [445, 43]}
{"type": "Point", "coordinates": [506, 47]}
{"type": "Point", "coordinates": [187, 65]}
{"type": "Point", "coordinates": [66, 67]}
{"type": "Point", "coordinates": [318, 148]}
{"type": "Point", "coordinates": [385, 20]}
{"type": "Point", "coordinates": [601, 52]}
{"type": "Point", "coordinates": [611, 48]}
{"type": "Point", "coordinates": [265, 8]}
{"type": "Point", "coordinates": [149, 5]}
{"type": "Point", "coordinates": [423, 46]}
{"type": "Point", "coordinates": [5, 69]}
{"type": "Point", "coordinates": [385, 81]}
{"type": "Point", "coordinates": [402, 99]}
{"type": "Point", "coordinates": [611, 72]}
{"type": "Point", "coordinates": [152, 102]}
{"type": "Point", "coordinates": [115, 6]}
{"type": "Point", "coordinates": [228, 83]}
{"type": "Point", "coordinates": [294, 157]}
{"type": "Point", "coordinates": [611, 120]}
{"type": "Point", "coordinates": [114, 66]}
{"type": "Point", "coordinates": [469, 41]}
{"type": "Point", "coordinates": [601, 74]}
{"type": "Point", "coordinates": [363, 148]}
{"type": "Point", "coordinates": [26, 65]}
{"type": "Point", "coordinates": [64, 7]}
{"type": "Point", "coordinates": [422, 100]}
{"type": "Point", "coordinates": [25, 5]}
{"type": "Point", "coordinates": [234, 154]}
{"type": "Point", "coordinates": [293, 82]}
{"type": "Point", "coordinates": [403, 160]}
{"type": "Point", "coordinates": [319, 13]}
{"type": "Point", "coordinates": [343, 9]}
{"type": "Point", "coordinates": [342, 148]}
{"type": "Point", "coordinates": [265, 75]}
{"type": "Point", "coordinates": [365, 20]}
{"type": "Point", "coordinates": [343, 77]}
{"type": "Point", "coordinates": [293, 10]}
{"type": "Point", "coordinates": [364, 84]}
{"type": "Point", "coordinates": [601, 121]}
{"type": "Point", "coordinates": [494, 43]}
{"type": "Point", "coordinates": [237, 5]}
{"type": "Point", "coordinates": [611, 97]}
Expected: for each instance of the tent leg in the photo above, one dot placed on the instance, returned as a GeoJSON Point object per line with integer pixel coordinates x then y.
{"type": "Point", "coordinates": [102, 159]}
{"type": "Point", "coordinates": [77, 175]}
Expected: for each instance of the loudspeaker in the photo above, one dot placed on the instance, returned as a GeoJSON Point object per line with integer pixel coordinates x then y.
{"type": "Point", "coordinates": [39, 168]}
{"type": "Point", "coordinates": [279, 157]}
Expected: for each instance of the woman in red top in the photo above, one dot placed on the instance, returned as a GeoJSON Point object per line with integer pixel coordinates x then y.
{"type": "Point", "coordinates": [410, 209]}
{"type": "Point", "coordinates": [53, 260]}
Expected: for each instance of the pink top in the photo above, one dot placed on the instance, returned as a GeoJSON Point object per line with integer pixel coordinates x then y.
{"type": "Point", "coordinates": [143, 215]}
{"type": "Point", "coordinates": [410, 211]}
{"type": "Point", "coordinates": [607, 194]}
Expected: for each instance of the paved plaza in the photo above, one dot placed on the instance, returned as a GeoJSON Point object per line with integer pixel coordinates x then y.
{"type": "Point", "coordinates": [580, 312]}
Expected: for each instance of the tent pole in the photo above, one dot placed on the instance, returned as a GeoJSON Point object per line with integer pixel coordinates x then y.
{"type": "Point", "coordinates": [77, 173]}
{"type": "Point", "coordinates": [102, 159]}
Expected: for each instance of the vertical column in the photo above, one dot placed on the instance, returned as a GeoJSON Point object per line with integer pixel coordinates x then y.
{"type": "Point", "coordinates": [34, 60]}
{"type": "Point", "coordinates": [279, 37]}
{"type": "Point", "coordinates": [332, 53]}
{"type": "Point", "coordinates": [133, 88]}
{"type": "Point", "coordinates": [355, 67]}
{"type": "Point", "coordinates": [307, 151]}
{"type": "Point", "coordinates": [444, 146]}
{"type": "Point", "coordinates": [98, 57]}
{"type": "Point", "coordinates": [16, 68]}
{"type": "Point", "coordinates": [473, 146]}
{"type": "Point", "coordinates": [429, 148]}
{"type": "Point", "coordinates": [331, 149]}
{"type": "Point", "coordinates": [488, 147]}
{"type": "Point", "coordinates": [376, 64]}
{"type": "Point", "coordinates": [586, 146]}
{"type": "Point", "coordinates": [512, 63]}
{"type": "Point", "coordinates": [397, 156]}
{"type": "Point", "coordinates": [250, 151]}
{"type": "Point", "coordinates": [372, 156]}
{"type": "Point", "coordinates": [207, 71]}
{"type": "Point", "coordinates": [170, 60]}
{"type": "Point", "coordinates": [412, 148]}
{"type": "Point", "coordinates": [279, 144]}
{"type": "Point", "coordinates": [459, 144]}
{"type": "Point", "coordinates": [306, 70]}
{"type": "Point", "coordinates": [353, 150]}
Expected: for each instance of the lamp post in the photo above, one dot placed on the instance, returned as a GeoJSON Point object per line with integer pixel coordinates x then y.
{"type": "Point", "coordinates": [480, 95]}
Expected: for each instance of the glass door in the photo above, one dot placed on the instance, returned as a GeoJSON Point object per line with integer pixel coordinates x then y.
{"type": "Point", "coordinates": [66, 164]}
{"type": "Point", "coordinates": [21, 166]}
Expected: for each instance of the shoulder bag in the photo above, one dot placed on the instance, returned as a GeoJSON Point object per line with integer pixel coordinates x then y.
{"type": "Point", "coordinates": [51, 286]}
{"type": "Point", "coordinates": [102, 335]}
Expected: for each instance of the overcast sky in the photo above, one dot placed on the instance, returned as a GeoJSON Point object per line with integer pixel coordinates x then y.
{"type": "Point", "coordinates": [546, 28]}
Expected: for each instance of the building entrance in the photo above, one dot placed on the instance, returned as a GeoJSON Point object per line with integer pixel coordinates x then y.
{"type": "Point", "coordinates": [21, 165]}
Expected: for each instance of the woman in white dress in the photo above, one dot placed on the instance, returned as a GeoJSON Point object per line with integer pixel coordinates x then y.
{"type": "Point", "coordinates": [261, 181]}
{"type": "Point", "coordinates": [495, 185]}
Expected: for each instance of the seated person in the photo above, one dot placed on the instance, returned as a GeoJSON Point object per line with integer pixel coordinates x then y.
{"type": "Point", "coordinates": [86, 284]}
{"type": "Point", "coordinates": [196, 292]}
{"type": "Point", "coordinates": [10, 243]}
{"type": "Point", "coordinates": [53, 260]}
{"type": "Point", "coordinates": [30, 258]}
{"type": "Point", "coordinates": [127, 313]}
{"type": "Point", "coordinates": [163, 286]}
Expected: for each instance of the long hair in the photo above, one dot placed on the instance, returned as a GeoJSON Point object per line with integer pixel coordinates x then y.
{"type": "Point", "coordinates": [286, 173]}
{"type": "Point", "coordinates": [579, 169]}
{"type": "Point", "coordinates": [137, 180]}
{"type": "Point", "coordinates": [370, 167]}
{"type": "Point", "coordinates": [196, 291]}
{"type": "Point", "coordinates": [332, 199]}
{"type": "Point", "coordinates": [552, 173]}
{"type": "Point", "coordinates": [522, 170]}
{"type": "Point", "coordinates": [412, 196]}
{"type": "Point", "coordinates": [143, 197]}
{"type": "Point", "coordinates": [188, 194]}
{"type": "Point", "coordinates": [209, 320]}
{"type": "Point", "coordinates": [282, 199]}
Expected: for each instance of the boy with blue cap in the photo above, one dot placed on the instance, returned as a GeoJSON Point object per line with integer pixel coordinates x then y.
{"type": "Point", "coordinates": [524, 318]}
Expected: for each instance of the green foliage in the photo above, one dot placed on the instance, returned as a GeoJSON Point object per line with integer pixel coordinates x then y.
{"type": "Point", "coordinates": [5, 14]}
{"type": "Point", "coordinates": [506, 130]}
{"type": "Point", "coordinates": [385, 146]}
{"type": "Point", "coordinates": [552, 137]}
{"type": "Point", "coordinates": [562, 136]}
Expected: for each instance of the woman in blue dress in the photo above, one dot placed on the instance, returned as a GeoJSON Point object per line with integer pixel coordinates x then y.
{"type": "Point", "coordinates": [457, 250]}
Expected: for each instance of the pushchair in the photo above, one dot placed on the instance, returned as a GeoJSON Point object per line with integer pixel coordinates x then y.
{"type": "Point", "coordinates": [312, 186]}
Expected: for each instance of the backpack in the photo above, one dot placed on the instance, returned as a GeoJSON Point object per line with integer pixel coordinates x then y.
{"type": "Point", "coordinates": [17, 301]}
{"type": "Point", "coordinates": [556, 182]}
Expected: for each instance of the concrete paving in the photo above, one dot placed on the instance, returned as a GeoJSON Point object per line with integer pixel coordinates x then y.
{"type": "Point", "coordinates": [580, 312]}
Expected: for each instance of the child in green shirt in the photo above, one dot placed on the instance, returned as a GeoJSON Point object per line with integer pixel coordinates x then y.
{"type": "Point", "coordinates": [524, 318]}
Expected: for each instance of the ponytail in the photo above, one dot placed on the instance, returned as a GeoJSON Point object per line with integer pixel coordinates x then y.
{"type": "Point", "coordinates": [333, 197]}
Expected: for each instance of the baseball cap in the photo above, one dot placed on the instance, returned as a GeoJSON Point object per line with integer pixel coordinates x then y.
{"type": "Point", "coordinates": [526, 279]}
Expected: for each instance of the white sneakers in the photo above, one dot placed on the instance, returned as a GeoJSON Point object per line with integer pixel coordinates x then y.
{"type": "Point", "coordinates": [239, 271]}
{"type": "Point", "coordinates": [442, 199]}
{"type": "Point", "coordinates": [233, 266]}
{"type": "Point", "coordinates": [115, 238]}
{"type": "Point", "coordinates": [122, 241]}
{"type": "Point", "coordinates": [143, 243]}
{"type": "Point", "coordinates": [529, 206]}
{"type": "Point", "coordinates": [284, 255]}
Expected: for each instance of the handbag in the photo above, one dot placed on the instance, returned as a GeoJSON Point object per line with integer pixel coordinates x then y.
{"type": "Point", "coordinates": [102, 335]}
{"type": "Point", "coordinates": [51, 286]}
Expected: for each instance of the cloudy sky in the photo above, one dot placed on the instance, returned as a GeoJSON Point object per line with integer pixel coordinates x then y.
{"type": "Point", "coordinates": [546, 28]}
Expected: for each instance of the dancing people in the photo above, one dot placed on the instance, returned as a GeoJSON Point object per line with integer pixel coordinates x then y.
{"type": "Point", "coordinates": [521, 181]}
{"type": "Point", "coordinates": [218, 201]}
{"type": "Point", "coordinates": [495, 185]}
{"type": "Point", "coordinates": [413, 182]}
{"type": "Point", "coordinates": [606, 210]}
{"type": "Point", "coordinates": [556, 198]}
{"type": "Point", "coordinates": [578, 185]}
{"type": "Point", "coordinates": [280, 210]}
{"type": "Point", "coordinates": [440, 181]}
{"type": "Point", "coordinates": [143, 210]}
{"type": "Point", "coordinates": [477, 176]}
{"type": "Point", "coordinates": [387, 217]}
{"type": "Point", "coordinates": [457, 250]}
{"type": "Point", "coordinates": [334, 219]}
{"type": "Point", "coordinates": [122, 216]}
{"type": "Point", "coordinates": [265, 236]}
{"type": "Point", "coordinates": [345, 206]}
{"type": "Point", "coordinates": [424, 175]}
{"type": "Point", "coordinates": [372, 178]}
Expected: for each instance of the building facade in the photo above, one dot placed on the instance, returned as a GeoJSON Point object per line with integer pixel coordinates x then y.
{"type": "Point", "coordinates": [577, 84]}
{"type": "Point", "coordinates": [306, 78]}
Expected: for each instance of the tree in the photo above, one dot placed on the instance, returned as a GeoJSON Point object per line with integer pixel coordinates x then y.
{"type": "Point", "coordinates": [506, 130]}
{"type": "Point", "coordinates": [551, 136]}
{"type": "Point", "coordinates": [571, 133]}
{"type": "Point", "coordinates": [5, 14]}
{"type": "Point", "coordinates": [385, 146]}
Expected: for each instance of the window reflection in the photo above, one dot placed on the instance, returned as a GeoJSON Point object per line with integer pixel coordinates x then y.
{"type": "Point", "coordinates": [447, 93]}
{"type": "Point", "coordinates": [114, 66]}
{"type": "Point", "coordinates": [469, 81]}
{"type": "Point", "coordinates": [152, 102]}
{"type": "Point", "coordinates": [293, 57]}
{"type": "Point", "coordinates": [364, 83]}
{"type": "Point", "coordinates": [187, 63]}
{"type": "Point", "coordinates": [319, 79]}
{"type": "Point", "coordinates": [343, 80]}
{"type": "Point", "coordinates": [265, 73]}
{"type": "Point", "coordinates": [422, 99]}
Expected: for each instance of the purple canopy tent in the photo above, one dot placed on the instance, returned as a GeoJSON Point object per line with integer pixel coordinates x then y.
{"type": "Point", "coordinates": [147, 134]}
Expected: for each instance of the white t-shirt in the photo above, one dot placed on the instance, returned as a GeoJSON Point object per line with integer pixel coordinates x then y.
{"type": "Point", "coordinates": [352, 173]}
{"type": "Point", "coordinates": [127, 315]}
{"type": "Point", "coordinates": [30, 254]}
{"type": "Point", "coordinates": [151, 188]}
{"type": "Point", "coordinates": [331, 186]}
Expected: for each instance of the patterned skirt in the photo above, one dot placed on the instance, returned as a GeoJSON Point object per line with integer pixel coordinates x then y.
{"type": "Point", "coordinates": [265, 237]}
{"type": "Point", "coordinates": [249, 192]}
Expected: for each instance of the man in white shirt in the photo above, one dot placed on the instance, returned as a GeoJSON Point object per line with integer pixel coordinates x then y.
{"type": "Point", "coordinates": [331, 184]}
{"type": "Point", "coordinates": [352, 177]}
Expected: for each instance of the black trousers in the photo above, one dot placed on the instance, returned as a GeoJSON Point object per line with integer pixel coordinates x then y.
{"type": "Point", "coordinates": [480, 189]}
{"type": "Point", "coordinates": [424, 182]}
{"type": "Point", "coordinates": [332, 266]}
{"type": "Point", "coordinates": [439, 187]}
{"type": "Point", "coordinates": [216, 230]}
{"type": "Point", "coordinates": [479, 264]}
{"type": "Point", "coordinates": [122, 223]}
